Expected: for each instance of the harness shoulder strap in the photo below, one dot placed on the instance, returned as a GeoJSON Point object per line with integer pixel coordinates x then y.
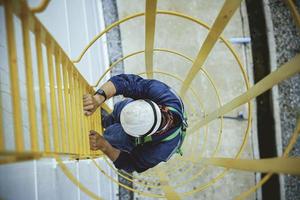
{"type": "Point", "coordinates": [180, 130]}
{"type": "Point", "coordinates": [172, 136]}
{"type": "Point", "coordinates": [172, 109]}
{"type": "Point", "coordinates": [142, 140]}
{"type": "Point", "coordinates": [185, 124]}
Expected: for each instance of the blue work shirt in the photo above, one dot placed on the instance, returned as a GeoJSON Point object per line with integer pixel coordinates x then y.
{"type": "Point", "coordinates": [134, 157]}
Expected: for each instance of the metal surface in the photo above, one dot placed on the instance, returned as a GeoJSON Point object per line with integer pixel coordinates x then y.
{"type": "Point", "coordinates": [150, 16]}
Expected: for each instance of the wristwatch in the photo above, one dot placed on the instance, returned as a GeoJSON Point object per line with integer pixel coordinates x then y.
{"type": "Point", "coordinates": [102, 93]}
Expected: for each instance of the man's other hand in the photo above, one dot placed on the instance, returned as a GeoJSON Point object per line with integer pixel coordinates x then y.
{"type": "Point", "coordinates": [91, 103]}
{"type": "Point", "coordinates": [97, 142]}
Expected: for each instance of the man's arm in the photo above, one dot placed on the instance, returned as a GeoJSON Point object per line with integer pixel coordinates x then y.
{"type": "Point", "coordinates": [132, 86]}
{"type": "Point", "coordinates": [136, 87]}
{"type": "Point", "coordinates": [123, 160]}
{"type": "Point", "coordinates": [92, 102]}
{"type": "Point", "coordinates": [97, 142]}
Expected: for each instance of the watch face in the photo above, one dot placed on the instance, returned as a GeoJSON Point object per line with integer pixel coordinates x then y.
{"type": "Point", "coordinates": [102, 93]}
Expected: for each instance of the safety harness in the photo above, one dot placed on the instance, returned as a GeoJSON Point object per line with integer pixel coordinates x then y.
{"type": "Point", "coordinates": [180, 131]}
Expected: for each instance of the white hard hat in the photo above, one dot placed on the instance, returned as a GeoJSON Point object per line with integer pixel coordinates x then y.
{"type": "Point", "coordinates": [140, 117]}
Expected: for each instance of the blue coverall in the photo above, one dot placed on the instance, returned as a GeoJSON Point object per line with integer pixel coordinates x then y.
{"type": "Point", "coordinates": [134, 157]}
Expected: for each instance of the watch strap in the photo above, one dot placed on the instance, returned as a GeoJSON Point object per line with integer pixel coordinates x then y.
{"type": "Point", "coordinates": [101, 92]}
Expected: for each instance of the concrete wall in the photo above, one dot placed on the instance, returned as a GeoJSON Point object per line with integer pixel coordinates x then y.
{"type": "Point", "coordinates": [73, 24]}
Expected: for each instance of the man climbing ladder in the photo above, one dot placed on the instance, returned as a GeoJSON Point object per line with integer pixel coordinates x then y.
{"type": "Point", "coordinates": [146, 128]}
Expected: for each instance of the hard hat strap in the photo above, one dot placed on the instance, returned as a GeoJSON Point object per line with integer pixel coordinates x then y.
{"type": "Point", "coordinates": [155, 117]}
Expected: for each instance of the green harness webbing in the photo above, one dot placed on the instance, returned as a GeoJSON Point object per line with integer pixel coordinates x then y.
{"type": "Point", "coordinates": [181, 130]}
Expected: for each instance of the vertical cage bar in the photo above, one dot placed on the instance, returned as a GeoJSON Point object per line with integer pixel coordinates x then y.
{"type": "Point", "coordinates": [150, 17]}
{"type": "Point", "coordinates": [67, 104]}
{"type": "Point", "coordinates": [44, 110]}
{"type": "Point", "coordinates": [84, 128]}
{"type": "Point", "coordinates": [93, 119]}
{"type": "Point", "coordinates": [52, 94]}
{"type": "Point", "coordinates": [81, 83]}
{"type": "Point", "coordinates": [89, 119]}
{"type": "Point", "coordinates": [60, 99]}
{"type": "Point", "coordinates": [89, 124]}
{"type": "Point", "coordinates": [86, 139]}
{"type": "Point", "coordinates": [75, 113]}
{"type": "Point", "coordinates": [80, 112]}
{"type": "Point", "coordinates": [72, 107]}
{"type": "Point", "coordinates": [227, 11]}
{"type": "Point", "coordinates": [98, 121]}
{"type": "Point", "coordinates": [14, 78]}
{"type": "Point", "coordinates": [29, 80]}
{"type": "Point", "coordinates": [80, 115]}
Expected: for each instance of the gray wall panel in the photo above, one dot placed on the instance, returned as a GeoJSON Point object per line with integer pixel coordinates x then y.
{"type": "Point", "coordinates": [17, 181]}
{"type": "Point", "coordinates": [88, 175]}
{"type": "Point", "coordinates": [65, 189]}
{"type": "Point", "coordinates": [47, 179]}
